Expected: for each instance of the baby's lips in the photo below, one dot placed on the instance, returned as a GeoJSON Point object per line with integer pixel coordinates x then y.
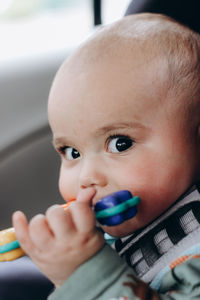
{"type": "Point", "coordinates": [116, 208]}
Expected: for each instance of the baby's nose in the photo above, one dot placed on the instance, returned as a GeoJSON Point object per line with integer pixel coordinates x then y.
{"type": "Point", "coordinates": [92, 174]}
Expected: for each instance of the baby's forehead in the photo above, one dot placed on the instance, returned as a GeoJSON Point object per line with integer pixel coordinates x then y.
{"type": "Point", "coordinates": [124, 58]}
{"type": "Point", "coordinates": [124, 65]}
{"type": "Point", "coordinates": [121, 69]}
{"type": "Point", "coordinates": [128, 44]}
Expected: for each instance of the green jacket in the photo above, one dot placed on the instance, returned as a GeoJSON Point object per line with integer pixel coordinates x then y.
{"type": "Point", "coordinates": [108, 277]}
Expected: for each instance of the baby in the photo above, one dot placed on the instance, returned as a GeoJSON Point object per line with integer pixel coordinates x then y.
{"type": "Point", "coordinates": [125, 114]}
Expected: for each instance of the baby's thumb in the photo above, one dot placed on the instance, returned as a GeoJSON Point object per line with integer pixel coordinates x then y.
{"type": "Point", "coordinates": [86, 195]}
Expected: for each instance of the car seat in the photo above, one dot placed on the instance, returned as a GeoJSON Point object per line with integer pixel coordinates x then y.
{"type": "Point", "coordinates": [184, 11]}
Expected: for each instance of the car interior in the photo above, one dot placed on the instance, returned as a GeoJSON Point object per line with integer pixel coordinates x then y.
{"type": "Point", "coordinates": [29, 166]}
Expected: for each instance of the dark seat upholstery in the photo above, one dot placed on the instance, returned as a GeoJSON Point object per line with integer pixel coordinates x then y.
{"type": "Point", "coordinates": [186, 12]}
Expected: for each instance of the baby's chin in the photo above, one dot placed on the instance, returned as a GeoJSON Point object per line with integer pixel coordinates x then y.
{"type": "Point", "coordinates": [124, 229]}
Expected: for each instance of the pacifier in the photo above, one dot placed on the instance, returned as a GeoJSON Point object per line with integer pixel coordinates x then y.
{"type": "Point", "coordinates": [116, 208]}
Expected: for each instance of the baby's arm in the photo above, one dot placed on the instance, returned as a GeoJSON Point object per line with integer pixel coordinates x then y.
{"type": "Point", "coordinates": [108, 277]}
{"type": "Point", "coordinates": [105, 276]}
{"type": "Point", "coordinates": [60, 241]}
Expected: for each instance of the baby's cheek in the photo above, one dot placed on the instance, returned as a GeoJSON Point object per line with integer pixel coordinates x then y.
{"type": "Point", "coordinates": [148, 183]}
{"type": "Point", "coordinates": [138, 179]}
{"type": "Point", "coordinates": [62, 189]}
{"type": "Point", "coordinates": [65, 188]}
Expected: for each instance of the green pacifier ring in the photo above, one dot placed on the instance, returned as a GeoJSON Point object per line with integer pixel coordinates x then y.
{"type": "Point", "coordinates": [120, 208]}
{"type": "Point", "coordinates": [9, 247]}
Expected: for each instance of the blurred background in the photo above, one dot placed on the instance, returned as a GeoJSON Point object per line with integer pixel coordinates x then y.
{"type": "Point", "coordinates": [36, 36]}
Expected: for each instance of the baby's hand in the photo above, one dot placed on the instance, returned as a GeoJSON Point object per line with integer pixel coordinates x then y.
{"type": "Point", "coordinates": [60, 241]}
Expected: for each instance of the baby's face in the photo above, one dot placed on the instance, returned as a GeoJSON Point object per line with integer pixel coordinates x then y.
{"type": "Point", "coordinates": [115, 131]}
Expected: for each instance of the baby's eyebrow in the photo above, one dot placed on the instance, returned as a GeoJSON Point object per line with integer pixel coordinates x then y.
{"type": "Point", "coordinates": [115, 126]}
{"type": "Point", "coordinates": [58, 141]}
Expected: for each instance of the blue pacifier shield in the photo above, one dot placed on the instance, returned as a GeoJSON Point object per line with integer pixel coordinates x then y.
{"type": "Point", "coordinates": [116, 208]}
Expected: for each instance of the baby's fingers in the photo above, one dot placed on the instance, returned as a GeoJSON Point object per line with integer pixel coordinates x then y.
{"type": "Point", "coordinates": [83, 217]}
{"type": "Point", "coordinates": [40, 232]}
{"type": "Point", "coordinates": [60, 222]}
{"type": "Point", "coordinates": [20, 224]}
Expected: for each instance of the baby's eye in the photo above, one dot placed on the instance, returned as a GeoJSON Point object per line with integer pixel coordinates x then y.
{"type": "Point", "coordinates": [70, 153]}
{"type": "Point", "coordinates": [119, 144]}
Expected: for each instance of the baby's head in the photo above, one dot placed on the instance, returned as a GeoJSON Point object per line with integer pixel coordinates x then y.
{"type": "Point", "coordinates": [125, 114]}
